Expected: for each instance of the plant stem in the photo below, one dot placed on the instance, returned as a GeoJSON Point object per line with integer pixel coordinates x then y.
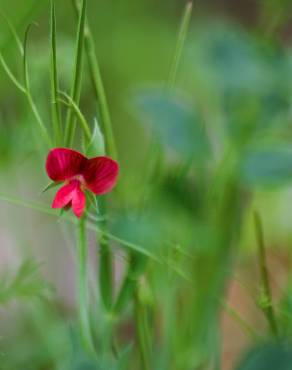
{"type": "Point", "coordinates": [77, 78]}
{"type": "Point", "coordinates": [267, 304]}
{"type": "Point", "coordinates": [106, 267]}
{"type": "Point", "coordinates": [98, 89]}
{"type": "Point", "coordinates": [56, 114]}
{"type": "Point", "coordinates": [184, 27]}
{"type": "Point", "coordinates": [142, 332]}
{"type": "Point", "coordinates": [106, 271]}
{"type": "Point", "coordinates": [84, 321]}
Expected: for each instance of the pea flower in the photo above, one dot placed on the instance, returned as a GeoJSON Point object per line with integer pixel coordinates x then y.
{"type": "Point", "coordinates": [78, 173]}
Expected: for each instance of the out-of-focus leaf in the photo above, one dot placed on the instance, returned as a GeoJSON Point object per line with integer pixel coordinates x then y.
{"type": "Point", "coordinates": [268, 166]}
{"type": "Point", "coordinates": [272, 356]}
{"type": "Point", "coordinates": [174, 120]}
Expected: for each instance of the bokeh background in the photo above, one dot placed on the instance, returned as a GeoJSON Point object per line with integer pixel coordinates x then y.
{"type": "Point", "coordinates": [234, 79]}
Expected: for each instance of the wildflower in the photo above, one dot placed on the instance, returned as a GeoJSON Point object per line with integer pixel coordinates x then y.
{"type": "Point", "coordinates": [78, 173]}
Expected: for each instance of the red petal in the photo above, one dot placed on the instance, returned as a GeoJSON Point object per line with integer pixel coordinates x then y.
{"type": "Point", "coordinates": [100, 174]}
{"type": "Point", "coordinates": [62, 164]}
{"type": "Point", "coordinates": [64, 195]}
{"type": "Point", "coordinates": [78, 202]}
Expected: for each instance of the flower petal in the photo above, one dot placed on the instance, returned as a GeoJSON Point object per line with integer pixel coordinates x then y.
{"type": "Point", "coordinates": [63, 163]}
{"type": "Point", "coordinates": [78, 202]}
{"type": "Point", "coordinates": [100, 174]}
{"type": "Point", "coordinates": [64, 195]}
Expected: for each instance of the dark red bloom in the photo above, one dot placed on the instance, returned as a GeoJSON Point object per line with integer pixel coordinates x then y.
{"type": "Point", "coordinates": [98, 175]}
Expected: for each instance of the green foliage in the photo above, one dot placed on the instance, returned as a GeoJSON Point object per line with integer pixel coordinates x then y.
{"type": "Point", "coordinates": [26, 284]}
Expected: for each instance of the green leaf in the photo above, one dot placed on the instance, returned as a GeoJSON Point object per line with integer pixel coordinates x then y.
{"type": "Point", "coordinates": [174, 120]}
{"type": "Point", "coordinates": [267, 167]}
{"type": "Point", "coordinates": [271, 356]}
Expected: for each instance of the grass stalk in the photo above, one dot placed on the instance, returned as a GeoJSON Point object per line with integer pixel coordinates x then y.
{"type": "Point", "coordinates": [183, 31]}
{"type": "Point", "coordinates": [266, 298]}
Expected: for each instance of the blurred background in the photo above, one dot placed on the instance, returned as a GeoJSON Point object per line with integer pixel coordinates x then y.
{"type": "Point", "coordinates": [231, 103]}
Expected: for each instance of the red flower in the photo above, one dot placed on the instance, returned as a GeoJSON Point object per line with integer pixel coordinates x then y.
{"type": "Point", "coordinates": [98, 175]}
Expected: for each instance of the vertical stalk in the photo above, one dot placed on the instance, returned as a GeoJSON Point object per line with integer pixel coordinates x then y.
{"type": "Point", "coordinates": [267, 304]}
{"type": "Point", "coordinates": [56, 115]}
{"type": "Point", "coordinates": [142, 333]}
{"type": "Point", "coordinates": [184, 27]}
{"type": "Point", "coordinates": [84, 321]}
{"type": "Point", "coordinates": [77, 78]}
{"type": "Point", "coordinates": [106, 266]}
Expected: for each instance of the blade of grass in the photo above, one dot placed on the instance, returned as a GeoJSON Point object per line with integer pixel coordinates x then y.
{"type": "Point", "coordinates": [56, 112]}
{"type": "Point", "coordinates": [77, 77]}
{"type": "Point", "coordinates": [184, 27]}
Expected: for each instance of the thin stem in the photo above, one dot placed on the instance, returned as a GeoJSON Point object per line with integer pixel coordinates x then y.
{"type": "Point", "coordinates": [99, 90]}
{"type": "Point", "coordinates": [56, 113]}
{"type": "Point", "coordinates": [106, 271]}
{"type": "Point", "coordinates": [266, 301]}
{"type": "Point", "coordinates": [135, 270]}
{"type": "Point", "coordinates": [84, 321]}
{"type": "Point", "coordinates": [77, 78]}
{"type": "Point", "coordinates": [242, 323]}
{"type": "Point", "coordinates": [141, 325]}
{"type": "Point", "coordinates": [180, 44]}
{"type": "Point", "coordinates": [106, 266]}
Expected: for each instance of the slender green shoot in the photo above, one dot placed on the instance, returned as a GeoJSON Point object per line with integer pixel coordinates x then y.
{"type": "Point", "coordinates": [266, 302]}
{"type": "Point", "coordinates": [13, 32]}
{"type": "Point", "coordinates": [11, 75]}
{"type": "Point", "coordinates": [99, 90]}
{"type": "Point", "coordinates": [72, 105]}
{"type": "Point", "coordinates": [242, 323]}
{"type": "Point", "coordinates": [142, 332]}
{"type": "Point", "coordinates": [56, 112]}
{"type": "Point", "coordinates": [77, 77]}
{"type": "Point", "coordinates": [84, 320]}
{"type": "Point", "coordinates": [180, 44]}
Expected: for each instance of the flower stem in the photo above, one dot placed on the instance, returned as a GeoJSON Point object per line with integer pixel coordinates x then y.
{"type": "Point", "coordinates": [106, 264]}
{"type": "Point", "coordinates": [142, 332]}
{"type": "Point", "coordinates": [84, 321]}
{"type": "Point", "coordinates": [267, 303]}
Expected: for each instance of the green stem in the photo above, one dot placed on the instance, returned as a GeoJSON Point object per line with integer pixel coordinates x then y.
{"type": "Point", "coordinates": [77, 78]}
{"type": "Point", "coordinates": [184, 27]}
{"type": "Point", "coordinates": [267, 303]}
{"type": "Point", "coordinates": [99, 90]}
{"type": "Point", "coordinates": [56, 113]}
{"type": "Point", "coordinates": [142, 333]}
{"type": "Point", "coordinates": [135, 270]}
{"type": "Point", "coordinates": [106, 270]}
{"type": "Point", "coordinates": [84, 321]}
